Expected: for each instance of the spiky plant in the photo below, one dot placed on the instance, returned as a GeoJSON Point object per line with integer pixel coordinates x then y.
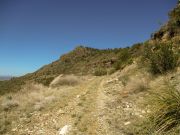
{"type": "Point", "coordinates": [165, 115]}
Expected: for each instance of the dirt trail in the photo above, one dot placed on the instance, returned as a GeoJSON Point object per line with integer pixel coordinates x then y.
{"type": "Point", "coordinates": [86, 110]}
{"type": "Point", "coordinates": [108, 105]}
{"type": "Point", "coordinates": [76, 106]}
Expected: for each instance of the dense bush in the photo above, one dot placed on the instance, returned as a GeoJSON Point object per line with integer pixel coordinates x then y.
{"type": "Point", "coordinates": [12, 85]}
{"type": "Point", "coordinates": [111, 71]}
{"type": "Point", "coordinates": [161, 58]}
{"type": "Point", "coordinates": [45, 81]}
{"type": "Point", "coordinates": [175, 17]}
{"type": "Point", "coordinates": [124, 55]}
{"type": "Point", "coordinates": [124, 58]}
{"type": "Point", "coordinates": [100, 72]}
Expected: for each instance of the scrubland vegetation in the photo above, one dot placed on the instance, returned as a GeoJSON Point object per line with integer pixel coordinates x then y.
{"type": "Point", "coordinates": [161, 58]}
{"type": "Point", "coordinates": [129, 91]}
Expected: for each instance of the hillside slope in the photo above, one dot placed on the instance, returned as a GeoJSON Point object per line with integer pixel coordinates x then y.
{"type": "Point", "coordinates": [84, 60]}
{"type": "Point", "coordinates": [109, 105]}
{"type": "Point", "coordinates": [125, 91]}
{"type": "Point", "coordinates": [80, 61]}
{"type": "Point", "coordinates": [2, 78]}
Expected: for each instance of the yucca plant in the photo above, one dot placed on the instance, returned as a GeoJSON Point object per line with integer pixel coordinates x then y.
{"type": "Point", "coordinates": [165, 115]}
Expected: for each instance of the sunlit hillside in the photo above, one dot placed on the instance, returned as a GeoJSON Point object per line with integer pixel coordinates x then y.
{"type": "Point", "coordinates": [121, 91]}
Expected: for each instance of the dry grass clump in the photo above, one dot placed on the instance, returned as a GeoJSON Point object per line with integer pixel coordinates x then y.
{"type": "Point", "coordinates": [69, 80]}
{"type": "Point", "coordinates": [9, 103]}
{"type": "Point", "coordinates": [43, 102]}
{"type": "Point", "coordinates": [135, 85]}
{"type": "Point", "coordinates": [38, 96]}
{"type": "Point", "coordinates": [32, 97]}
{"type": "Point", "coordinates": [32, 87]}
{"type": "Point", "coordinates": [164, 118]}
{"type": "Point", "coordinates": [4, 125]}
{"type": "Point", "coordinates": [166, 110]}
{"type": "Point", "coordinates": [124, 79]}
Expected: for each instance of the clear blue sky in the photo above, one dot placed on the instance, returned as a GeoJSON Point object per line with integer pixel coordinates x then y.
{"type": "Point", "coordinates": [36, 32]}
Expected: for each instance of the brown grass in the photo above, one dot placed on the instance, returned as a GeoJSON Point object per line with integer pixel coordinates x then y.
{"type": "Point", "coordinates": [68, 80]}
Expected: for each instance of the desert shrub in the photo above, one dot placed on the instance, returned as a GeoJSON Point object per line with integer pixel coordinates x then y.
{"type": "Point", "coordinates": [124, 58]}
{"type": "Point", "coordinates": [69, 80]}
{"type": "Point", "coordinates": [118, 65]}
{"type": "Point", "coordinates": [161, 58]}
{"type": "Point", "coordinates": [111, 71]}
{"type": "Point", "coordinates": [124, 55]}
{"type": "Point", "coordinates": [12, 85]}
{"type": "Point", "coordinates": [165, 115]}
{"type": "Point", "coordinates": [136, 50]}
{"type": "Point", "coordinates": [45, 81]}
{"type": "Point", "coordinates": [100, 72]}
{"type": "Point", "coordinates": [175, 17]}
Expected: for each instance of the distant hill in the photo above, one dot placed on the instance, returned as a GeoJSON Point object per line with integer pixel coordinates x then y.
{"type": "Point", "coordinates": [80, 61]}
{"type": "Point", "coordinates": [2, 78]}
{"type": "Point", "coordinates": [84, 60]}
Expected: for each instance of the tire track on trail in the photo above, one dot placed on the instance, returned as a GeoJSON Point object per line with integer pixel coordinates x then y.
{"type": "Point", "coordinates": [85, 113]}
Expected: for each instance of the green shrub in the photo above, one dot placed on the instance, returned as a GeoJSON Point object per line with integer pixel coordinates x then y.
{"type": "Point", "coordinates": [45, 81]}
{"type": "Point", "coordinates": [12, 85]}
{"type": "Point", "coordinates": [161, 58]}
{"type": "Point", "coordinates": [118, 65]}
{"type": "Point", "coordinates": [124, 58]}
{"type": "Point", "coordinates": [111, 71]}
{"type": "Point", "coordinates": [100, 72]}
{"type": "Point", "coordinates": [175, 17]}
{"type": "Point", "coordinates": [124, 55]}
{"type": "Point", "coordinates": [168, 113]}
